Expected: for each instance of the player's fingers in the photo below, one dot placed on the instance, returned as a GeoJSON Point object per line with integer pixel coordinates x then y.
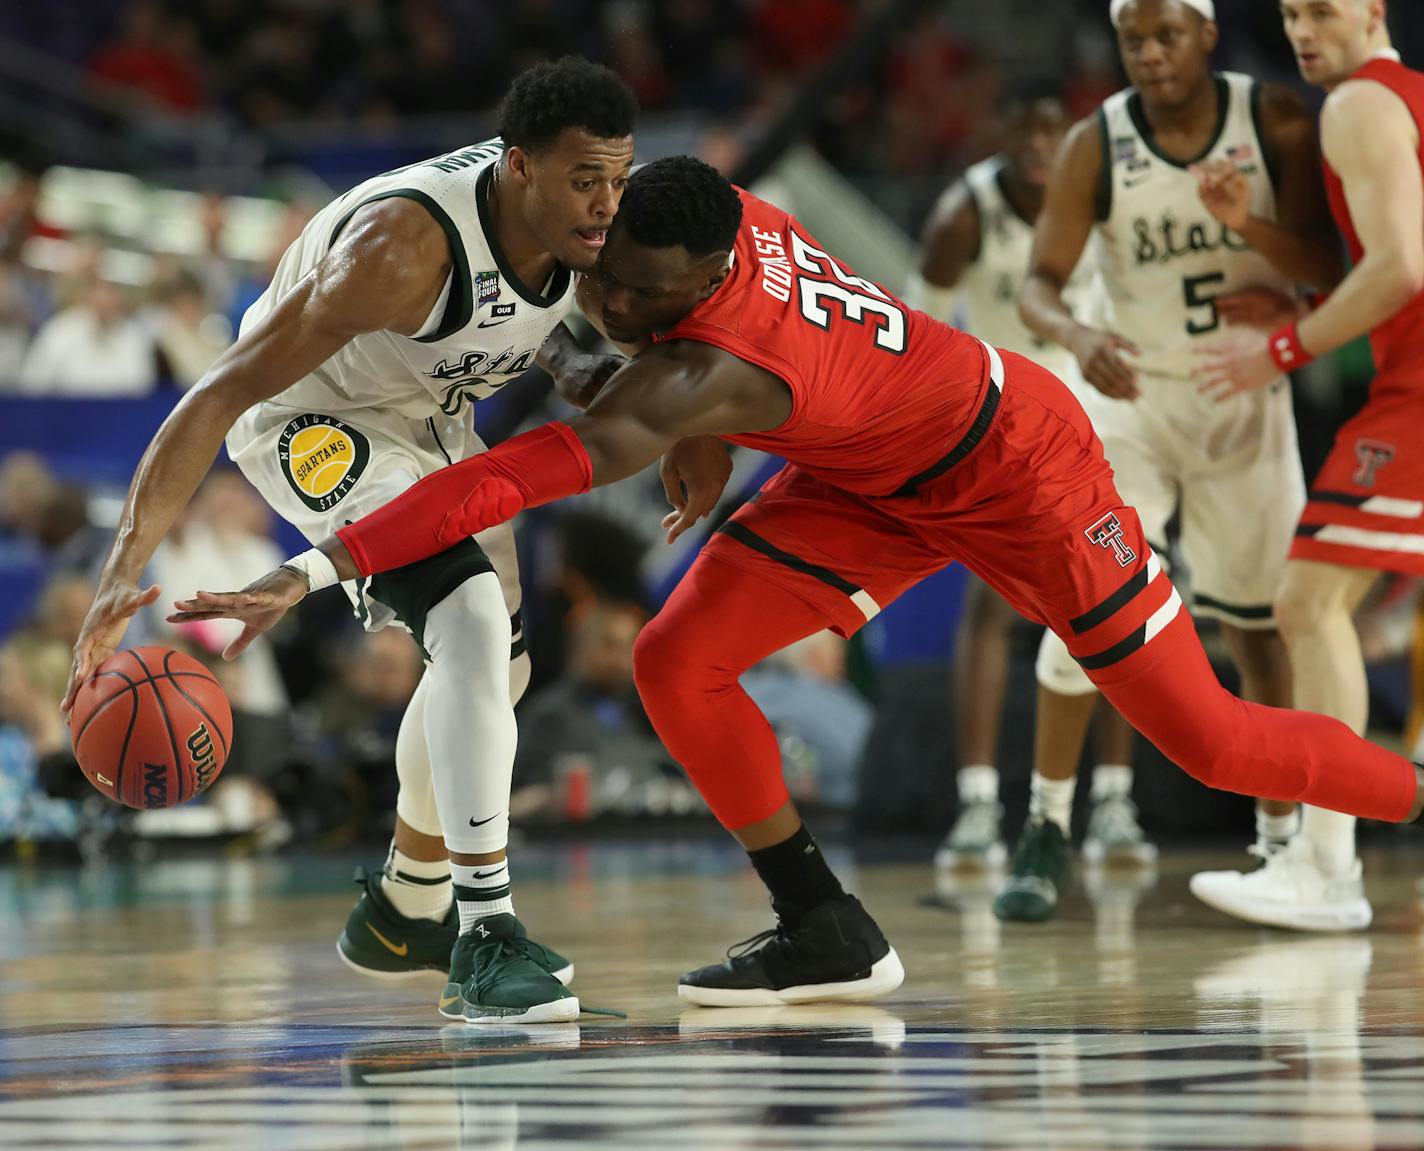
{"type": "Point", "coordinates": [1123, 344]}
{"type": "Point", "coordinates": [672, 484]}
{"type": "Point", "coordinates": [684, 520]}
{"type": "Point", "coordinates": [149, 595]}
{"type": "Point", "coordinates": [241, 643]}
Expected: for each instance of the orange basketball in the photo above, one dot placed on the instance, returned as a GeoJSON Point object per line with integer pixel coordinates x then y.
{"type": "Point", "coordinates": [152, 728]}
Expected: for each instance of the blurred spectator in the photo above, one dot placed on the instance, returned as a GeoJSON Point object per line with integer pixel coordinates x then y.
{"type": "Point", "coordinates": [588, 560]}
{"type": "Point", "coordinates": [220, 543]}
{"type": "Point", "coordinates": [633, 53]}
{"type": "Point", "coordinates": [96, 348]}
{"type": "Point", "coordinates": [20, 218]}
{"type": "Point", "coordinates": [31, 730]}
{"type": "Point", "coordinates": [15, 319]}
{"type": "Point", "coordinates": [154, 57]}
{"type": "Point", "coordinates": [591, 718]}
{"type": "Point", "coordinates": [358, 710]}
{"type": "Point", "coordinates": [36, 504]}
{"type": "Point", "coordinates": [821, 722]}
{"type": "Point", "coordinates": [796, 35]}
{"type": "Point", "coordinates": [189, 334]}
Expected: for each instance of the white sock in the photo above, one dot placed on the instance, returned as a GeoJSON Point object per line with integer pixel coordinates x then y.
{"type": "Point", "coordinates": [481, 891]}
{"type": "Point", "coordinates": [417, 888]}
{"type": "Point", "coordinates": [1277, 827]}
{"type": "Point", "coordinates": [979, 783]}
{"type": "Point", "coordinates": [468, 719]}
{"type": "Point", "coordinates": [1111, 781]}
{"type": "Point", "coordinates": [1332, 835]}
{"type": "Point", "coordinates": [1052, 799]}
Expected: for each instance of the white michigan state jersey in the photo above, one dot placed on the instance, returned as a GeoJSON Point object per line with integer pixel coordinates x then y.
{"type": "Point", "coordinates": [1164, 258]}
{"type": "Point", "coordinates": [484, 331]}
{"type": "Point", "coordinates": [989, 288]}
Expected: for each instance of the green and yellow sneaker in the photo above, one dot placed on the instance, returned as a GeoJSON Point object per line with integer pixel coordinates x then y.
{"type": "Point", "coordinates": [499, 975]}
{"type": "Point", "coordinates": [1039, 870]}
{"type": "Point", "coordinates": [379, 941]}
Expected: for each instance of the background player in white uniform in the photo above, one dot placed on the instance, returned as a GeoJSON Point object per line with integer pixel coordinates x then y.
{"type": "Point", "coordinates": [975, 255]}
{"type": "Point", "coordinates": [410, 295]}
{"type": "Point", "coordinates": [1128, 174]}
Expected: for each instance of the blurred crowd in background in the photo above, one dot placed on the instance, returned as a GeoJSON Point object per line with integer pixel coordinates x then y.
{"type": "Point", "coordinates": [89, 314]}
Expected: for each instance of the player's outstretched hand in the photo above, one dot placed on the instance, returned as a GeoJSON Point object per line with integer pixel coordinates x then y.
{"type": "Point", "coordinates": [115, 603]}
{"type": "Point", "coordinates": [259, 606]}
{"type": "Point", "coordinates": [1100, 355]}
{"type": "Point", "coordinates": [1231, 367]}
{"type": "Point", "coordinates": [1225, 191]}
{"type": "Point", "coordinates": [1262, 308]}
{"type": "Point", "coordinates": [694, 471]}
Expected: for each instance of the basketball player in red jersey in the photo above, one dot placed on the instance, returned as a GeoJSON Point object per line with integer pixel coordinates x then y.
{"type": "Point", "coordinates": [911, 445]}
{"type": "Point", "coordinates": [1365, 513]}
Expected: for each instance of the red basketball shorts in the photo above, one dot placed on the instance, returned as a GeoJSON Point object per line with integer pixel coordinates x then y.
{"type": "Point", "coordinates": [1366, 507]}
{"type": "Point", "coordinates": [1032, 510]}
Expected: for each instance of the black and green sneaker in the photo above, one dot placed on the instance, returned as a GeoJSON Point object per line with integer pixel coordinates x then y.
{"type": "Point", "coordinates": [499, 975]}
{"type": "Point", "coordinates": [1039, 870]}
{"type": "Point", "coordinates": [378, 940]}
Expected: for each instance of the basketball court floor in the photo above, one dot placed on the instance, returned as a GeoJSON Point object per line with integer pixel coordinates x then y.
{"type": "Point", "coordinates": [200, 1004]}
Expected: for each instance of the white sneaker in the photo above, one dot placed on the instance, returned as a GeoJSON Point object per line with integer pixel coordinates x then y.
{"type": "Point", "coordinates": [1288, 890]}
{"type": "Point", "coordinates": [976, 841]}
{"type": "Point", "coordinates": [1115, 836]}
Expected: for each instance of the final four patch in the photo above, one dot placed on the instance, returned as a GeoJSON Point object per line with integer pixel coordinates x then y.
{"type": "Point", "coordinates": [486, 288]}
{"type": "Point", "coordinates": [322, 459]}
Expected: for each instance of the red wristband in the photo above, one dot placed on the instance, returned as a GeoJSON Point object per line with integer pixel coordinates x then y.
{"type": "Point", "coordinates": [1287, 351]}
{"type": "Point", "coordinates": [454, 503]}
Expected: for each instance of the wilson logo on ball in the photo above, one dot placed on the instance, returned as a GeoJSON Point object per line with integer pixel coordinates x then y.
{"type": "Point", "coordinates": [204, 759]}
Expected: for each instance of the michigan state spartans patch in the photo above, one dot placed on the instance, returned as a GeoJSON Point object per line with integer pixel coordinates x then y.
{"type": "Point", "coordinates": [322, 459]}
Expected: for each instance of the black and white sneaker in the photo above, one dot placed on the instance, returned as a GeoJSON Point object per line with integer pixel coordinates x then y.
{"type": "Point", "coordinates": [836, 952]}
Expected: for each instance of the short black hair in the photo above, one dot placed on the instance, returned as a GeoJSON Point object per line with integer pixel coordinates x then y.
{"type": "Point", "coordinates": [680, 200]}
{"type": "Point", "coordinates": [1028, 94]}
{"type": "Point", "coordinates": [572, 92]}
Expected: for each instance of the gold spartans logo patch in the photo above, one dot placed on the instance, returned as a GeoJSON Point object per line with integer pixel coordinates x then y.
{"type": "Point", "coordinates": [322, 459]}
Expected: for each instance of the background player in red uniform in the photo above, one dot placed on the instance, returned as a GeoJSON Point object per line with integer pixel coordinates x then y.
{"type": "Point", "coordinates": [910, 445]}
{"type": "Point", "coordinates": [1365, 513]}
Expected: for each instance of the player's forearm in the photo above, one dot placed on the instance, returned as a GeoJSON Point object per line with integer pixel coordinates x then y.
{"type": "Point", "coordinates": [1311, 259]}
{"type": "Point", "coordinates": [450, 505]}
{"type": "Point", "coordinates": [175, 463]}
{"type": "Point", "coordinates": [1043, 311]}
{"type": "Point", "coordinates": [1374, 291]}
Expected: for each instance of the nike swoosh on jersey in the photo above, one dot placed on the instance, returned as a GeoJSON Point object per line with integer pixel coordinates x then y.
{"type": "Point", "coordinates": [476, 822]}
{"type": "Point", "coordinates": [494, 323]}
{"type": "Point", "coordinates": [391, 947]}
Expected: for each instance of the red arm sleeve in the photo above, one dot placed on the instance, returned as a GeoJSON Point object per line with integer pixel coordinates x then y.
{"type": "Point", "coordinates": [445, 507]}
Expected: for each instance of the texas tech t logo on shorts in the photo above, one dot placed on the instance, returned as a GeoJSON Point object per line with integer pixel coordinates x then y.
{"type": "Point", "coordinates": [1371, 455]}
{"type": "Point", "coordinates": [1107, 533]}
{"type": "Point", "coordinates": [322, 459]}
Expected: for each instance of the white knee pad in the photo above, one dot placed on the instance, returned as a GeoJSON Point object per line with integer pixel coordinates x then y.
{"type": "Point", "coordinates": [1058, 671]}
{"type": "Point", "coordinates": [469, 719]}
{"type": "Point", "coordinates": [415, 802]}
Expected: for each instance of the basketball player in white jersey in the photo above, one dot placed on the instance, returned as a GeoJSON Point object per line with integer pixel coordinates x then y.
{"type": "Point", "coordinates": [401, 302]}
{"type": "Point", "coordinates": [973, 261]}
{"type": "Point", "coordinates": [1129, 175]}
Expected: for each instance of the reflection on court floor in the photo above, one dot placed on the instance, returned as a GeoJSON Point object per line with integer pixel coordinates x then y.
{"type": "Point", "coordinates": [199, 1005]}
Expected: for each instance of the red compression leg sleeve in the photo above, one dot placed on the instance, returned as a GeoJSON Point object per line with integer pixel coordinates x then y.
{"type": "Point", "coordinates": [718, 622]}
{"type": "Point", "coordinates": [1177, 702]}
{"type": "Point", "coordinates": [535, 468]}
